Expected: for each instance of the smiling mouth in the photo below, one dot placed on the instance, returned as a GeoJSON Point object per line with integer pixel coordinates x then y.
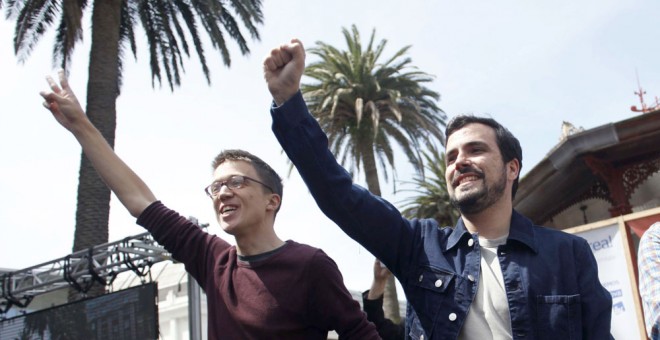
{"type": "Point", "coordinates": [227, 209]}
{"type": "Point", "coordinates": [466, 179]}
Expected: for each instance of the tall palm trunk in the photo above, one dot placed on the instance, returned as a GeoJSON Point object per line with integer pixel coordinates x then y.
{"type": "Point", "coordinates": [390, 298]}
{"type": "Point", "coordinates": [93, 207]}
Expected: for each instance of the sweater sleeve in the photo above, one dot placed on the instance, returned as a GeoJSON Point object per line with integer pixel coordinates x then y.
{"type": "Point", "coordinates": [186, 241]}
{"type": "Point", "coordinates": [331, 306]}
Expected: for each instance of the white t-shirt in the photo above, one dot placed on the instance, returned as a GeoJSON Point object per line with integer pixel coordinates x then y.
{"type": "Point", "coordinates": [488, 317]}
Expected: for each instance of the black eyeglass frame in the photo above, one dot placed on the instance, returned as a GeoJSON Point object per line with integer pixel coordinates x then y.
{"type": "Point", "coordinates": [220, 184]}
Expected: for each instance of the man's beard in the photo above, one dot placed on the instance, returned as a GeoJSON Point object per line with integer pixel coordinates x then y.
{"type": "Point", "coordinates": [482, 198]}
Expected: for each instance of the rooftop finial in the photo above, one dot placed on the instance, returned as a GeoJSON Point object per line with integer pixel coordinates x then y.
{"type": "Point", "coordinates": [640, 93]}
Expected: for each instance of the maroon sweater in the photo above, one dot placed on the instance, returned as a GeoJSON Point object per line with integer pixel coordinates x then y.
{"type": "Point", "coordinates": [296, 293]}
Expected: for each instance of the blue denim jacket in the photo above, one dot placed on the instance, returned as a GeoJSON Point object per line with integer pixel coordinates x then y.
{"type": "Point", "coordinates": [550, 277]}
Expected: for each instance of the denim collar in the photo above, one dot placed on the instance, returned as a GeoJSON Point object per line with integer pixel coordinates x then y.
{"type": "Point", "coordinates": [521, 231]}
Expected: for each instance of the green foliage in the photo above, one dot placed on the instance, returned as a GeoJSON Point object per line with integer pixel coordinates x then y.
{"type": "Point", "coordinates": [366, 105]}
{"type": "Point", "coordinates": [430, 198]}
{"type": "Point", "coordinates": [168, 26]}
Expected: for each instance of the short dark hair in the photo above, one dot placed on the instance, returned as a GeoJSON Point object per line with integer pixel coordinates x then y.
{"type": "Point", "coordinates": [506, 141]}
{"type": "Point", "coordinates": [265, 173]}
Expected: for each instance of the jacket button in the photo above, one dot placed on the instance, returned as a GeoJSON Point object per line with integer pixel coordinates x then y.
{"type": "Point", "coordinates": [470, 242]}
{"type": "Point", "coordinates": [452, 317]}
{"type": "Point", "coordinates": [421, 277]}
{"type": "Point", "coordinates": [470, 277]}
{"type": "Point", "coordinates": [421, 337]}
{"type": "Point", "coordinates": [438, 283]}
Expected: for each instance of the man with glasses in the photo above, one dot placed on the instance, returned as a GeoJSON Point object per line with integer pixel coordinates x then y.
{"type": "Point", "coordinates": [262, 288]}
{"type": "Point", "coordinates": [495, 275]}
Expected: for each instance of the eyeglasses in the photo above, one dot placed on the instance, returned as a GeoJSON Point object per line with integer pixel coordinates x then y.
{"type": "Point", "coordinates": [233, 182]}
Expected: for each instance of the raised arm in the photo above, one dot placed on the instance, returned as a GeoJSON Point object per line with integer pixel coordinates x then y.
{"type": "Point", "coordinates": [283, 69]}
{"type": "Point", "coordinates": [368, 219]}
{"type": "Point", "coordinates": [372, 301]}
{"type": "Point", "coordinates": [381, 274]}
{"type": "Point", "coordinates": [129, 188]}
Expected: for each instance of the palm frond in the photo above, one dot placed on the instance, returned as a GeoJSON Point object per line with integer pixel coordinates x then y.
{"type": "Point", "coordinates": [250, 13]}
{"type": "Point", "coordinates": [32, 21]}
{"type": "Point", "coordinates": [69, 31]}
{"type": "Point", "coordinates": [360, 100]}
{"type": "Point", "coordinates": [429, 196]}
{"type": "Point", "coordinates": [186, 12]}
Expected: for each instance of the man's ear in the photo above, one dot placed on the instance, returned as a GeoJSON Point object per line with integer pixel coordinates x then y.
{"type": "Point", "coordinates": [513, 169]}
{"type": "Point", "coordinates": [274, 202]}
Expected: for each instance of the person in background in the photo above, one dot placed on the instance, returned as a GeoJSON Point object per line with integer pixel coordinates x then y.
{"type": "Point", "coordinates": [262, 288]}
{"type": "Point", "coordinates": [495, 275]}
{"type": "Point", "coordinates": [648, 265]}
{"type": "Point", "coordinates": [372, 304]}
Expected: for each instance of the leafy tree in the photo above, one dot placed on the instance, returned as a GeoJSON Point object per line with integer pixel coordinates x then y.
{"type": "Point", "coordinates": [367, 106]}
{"type": "Point", "coordinates": [168, 25]}
{"type": "Point", "coordinates": [430, 198]}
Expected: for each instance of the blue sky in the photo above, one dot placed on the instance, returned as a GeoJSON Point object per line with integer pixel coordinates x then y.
{"type": "Point", "coordinates": [530, 65]}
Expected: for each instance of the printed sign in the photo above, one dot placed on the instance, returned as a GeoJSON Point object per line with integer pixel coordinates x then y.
{"type": "Point", "coordinates": [607, 246]}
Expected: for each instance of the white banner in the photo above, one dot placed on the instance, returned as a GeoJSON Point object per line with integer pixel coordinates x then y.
{"type": "Point", "coordinates": [607, 246]}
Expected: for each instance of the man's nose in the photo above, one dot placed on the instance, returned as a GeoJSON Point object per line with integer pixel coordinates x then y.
{"type": "Point", "coordinates": [462, 161]}
{"type": "Point", "coordinates": [224, 191]}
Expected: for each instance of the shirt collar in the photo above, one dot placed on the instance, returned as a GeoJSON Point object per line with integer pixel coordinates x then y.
{"type": "Point", "coordinates": [459, 232]}
{"type": "Point", "coordinates": [521, 231]}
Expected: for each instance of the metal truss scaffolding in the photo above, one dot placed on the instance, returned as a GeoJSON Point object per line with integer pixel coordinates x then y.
{"type": "Point", "coordinates": [81, 270]}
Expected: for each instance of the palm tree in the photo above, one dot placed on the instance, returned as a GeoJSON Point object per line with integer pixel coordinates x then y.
{"type": "Point", "coordinates": [114, 24]}
{"type": "Point", "coordinates": [430, 198]}
{"type": "Point", "coordinates": [366, 106]}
